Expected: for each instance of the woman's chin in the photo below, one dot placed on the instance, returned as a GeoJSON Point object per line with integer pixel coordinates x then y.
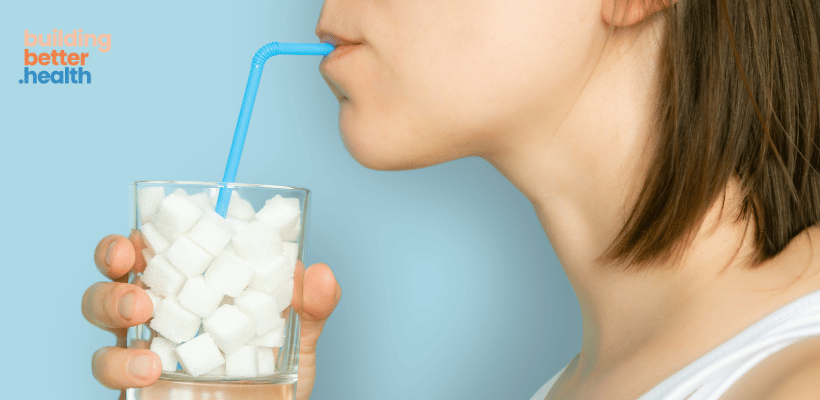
{"type": "Point", "coordinates": [389, 144]}
{"type": "Point", "coordinates": [373, 146]}
{"type": "Point", "coordinates": [371, 158]}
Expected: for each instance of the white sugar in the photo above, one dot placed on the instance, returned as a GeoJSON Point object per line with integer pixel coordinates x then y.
{"type": "Point", "coordinates": [200, 355]}
{"type": "Point", "coordinates": [260, 307]}
{"type": "Point", "coordinates": [165, 350]}
{"type": "Point", "coordinates": [240, 208]}
{"type": "Point", "coordinates": [176, 215]}
{"type": "Point", "coordinates": [218, 371]}
{"type": "Point", "coordinates": [267, 361]}
{"type": "Point", "coordinates": [290, 232]}
{"type": "Point", "coordinates": [291, 250]}
{"type": "Point", "coordinates": [280, 213]}
{"type": "Point", "coordinates": [283, 295]}
{"type": "Point", "coordinates": [230, 328]}
{"type": "Point", "coordinates": [236, 223]}
{"type": "Point", "coordinates": [269, 276]}
{"type": "Point", "coordinates": [153, 239]}
{"type": "Point", "coordinates": [242, 362]}
{"type": "Point", "coordinates": [212, 232]}
{"type": "Point", "coordinates": [161, 276]}
{"type": "Point", "coordinates": [229, 274]}
{"type": "Point", "coordinates": [188, 257]}
{"type": "Point", "coordinates": [274, 338]}
{"type": "Point", "coordinates": [202, 200]}
{"type": "Point", "coordinates": [148, 198]}
{"type": "Point", "coordinates": [175, 322]}
{"type": "Point", "coordinates": [199, 298]}
{"type": "Point", "coordinates": [257, 242]}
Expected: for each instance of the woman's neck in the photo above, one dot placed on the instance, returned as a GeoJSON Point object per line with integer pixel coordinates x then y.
{"type": "Point", "coordinates": [582, 175]}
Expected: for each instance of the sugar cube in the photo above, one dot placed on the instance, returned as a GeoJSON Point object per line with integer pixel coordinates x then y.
{"type": "Point", "coordinates": [199, 355]}
{"type": "Point", "coordinates": [212, 232]}
{"type": "Point", "coordinates": [188, 257]}
{"type": "Point", "coordinates": [280, 213]}
{"type": "Point", "coordinates": [236, 223]}
{"type": "Point", "coordinates": [257, 242]}
{"type": "Point", "coordinates": [175, 322]}
{"type": "Point", "coordinates": [291, 250]}
{"type": "Point", "coordinates": [270, 275]}
{"type": "Point", "coordinates": [202, 200]}
{"type": "Point", "coordinates": [240, 208]}
{"type": "Point", "coordinates": [218, 371]}
{"type": "Point", "coordinates": [290, 233]}
{"type": "Point", "coordinates": [153, 239]}
{"type": "Point", "coordinates": [148, 198]}
{"type": "Point", "coordinates": [176, 215]}
{"type": "Point", "coordinates": [161, 276]}
{"type": "Point", "coordinates": [229, 274]}
{"type": "Point", "coordinates": [165, 350]}
{"type": "Point", "coordinates": [267, 361]}
{"type": "Point", "coordinates": [230, 328]}
{"type": "Point", "coordinates": [274, 338]}
{"type": "Point", "coordinates": [283, 295]}
{"type": "Point", "coordinates": [156, 299]}
{"type": "Point", "coordinates": [197, 297]}
{"type": "Point", "coordinates": [260, 307]}
{"type": "Point", "coordinates": [242, 362]}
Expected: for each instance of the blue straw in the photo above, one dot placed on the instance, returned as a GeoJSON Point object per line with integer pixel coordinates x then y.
{"type": "Point", "coordinates": [262, 55]}
{"type": "Point", "coordinates": [267, 51]}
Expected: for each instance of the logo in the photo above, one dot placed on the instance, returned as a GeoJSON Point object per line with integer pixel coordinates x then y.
{"type": "Point", "coordinates": [72, 64]}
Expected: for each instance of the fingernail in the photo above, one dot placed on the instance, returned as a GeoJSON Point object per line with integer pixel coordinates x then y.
{"type": "Point", "coordinates": [109, 254]}
{"type": "Point", "coordinates": [140, 366]}
{"type": "Point", "coordinates": [126, 305]}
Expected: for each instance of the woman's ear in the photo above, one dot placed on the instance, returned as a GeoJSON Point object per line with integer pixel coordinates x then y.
{"type": "Point", "coordinates": [623, 13]}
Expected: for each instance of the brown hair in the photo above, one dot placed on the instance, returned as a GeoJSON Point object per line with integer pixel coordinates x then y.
{"type": "Point", "coordinates": [739, 97]}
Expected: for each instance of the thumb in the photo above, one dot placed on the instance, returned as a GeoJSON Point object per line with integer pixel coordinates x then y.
{"type": "Point", "coordinates": [315, 295]}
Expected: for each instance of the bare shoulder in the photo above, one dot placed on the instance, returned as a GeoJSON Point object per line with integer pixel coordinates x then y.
{"type": "Point", "coordinates": [802, 381]}
{"type": "Point", "coordinates": [783, 375]}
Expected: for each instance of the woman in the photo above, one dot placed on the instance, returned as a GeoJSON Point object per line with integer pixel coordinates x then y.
{"type": "Point", "coordinates": [670, 150]}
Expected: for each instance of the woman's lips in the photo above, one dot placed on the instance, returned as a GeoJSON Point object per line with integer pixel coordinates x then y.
{"type": "Point", "coordinates": [343, 45]}
{"type": "Point", "coordinates": [336, 40]}
{"type": "Point", "coordinates": [340, 51]}
{"type": "Point", "coordinates": [330, 67]}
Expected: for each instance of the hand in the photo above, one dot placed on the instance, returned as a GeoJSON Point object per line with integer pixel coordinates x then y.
{"type": "Point", "coordinates": [114, 306]}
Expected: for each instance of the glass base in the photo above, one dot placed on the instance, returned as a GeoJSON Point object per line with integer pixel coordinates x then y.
{"type": "Point", "coordinates": [176, 390]}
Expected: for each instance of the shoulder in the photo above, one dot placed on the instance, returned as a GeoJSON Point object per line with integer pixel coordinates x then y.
{"type": "Point", "coordinates": [793, 370]}
{"type": "Point", "coordinates": [801, 380]}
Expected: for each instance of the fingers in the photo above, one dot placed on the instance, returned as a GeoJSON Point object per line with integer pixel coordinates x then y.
{"type": "Point", "coordinates": [316, 294]}
{"type": "Point", "coordinates": [114, 256]}
{"type": "Point", "coordinates": [117, 368]}
{"type": "Point", "coordinates": [321, 293]}
{"type": "Point", "coordinates": [111, 305]}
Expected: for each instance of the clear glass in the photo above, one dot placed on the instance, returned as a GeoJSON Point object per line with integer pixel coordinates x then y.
{"type": "Point", "coordinates": [193, 256]}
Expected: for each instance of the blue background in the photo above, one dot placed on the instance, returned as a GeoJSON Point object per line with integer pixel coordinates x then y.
{"type": "Point", "coordinates": [451, 289]}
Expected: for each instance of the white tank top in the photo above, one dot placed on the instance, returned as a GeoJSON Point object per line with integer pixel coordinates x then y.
{"type": "Point", "coordinates": [710, 376]}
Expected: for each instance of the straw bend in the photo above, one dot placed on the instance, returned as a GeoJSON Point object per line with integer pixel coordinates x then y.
{"type": "Point", "coordinates": [262, 55]}
{"type": "Point", "coordinates": [301, 49]}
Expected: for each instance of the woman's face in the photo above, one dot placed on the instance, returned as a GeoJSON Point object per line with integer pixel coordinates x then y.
{"type": "Point", "coordinates": [436, 80]}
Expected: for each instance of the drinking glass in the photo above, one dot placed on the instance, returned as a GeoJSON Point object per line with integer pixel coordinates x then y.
{"type": "Point", "coordinates": [195, 258]}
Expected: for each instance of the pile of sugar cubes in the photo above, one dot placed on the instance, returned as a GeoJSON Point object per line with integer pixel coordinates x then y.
{"type": "Point", "coordinates": [219, 285]}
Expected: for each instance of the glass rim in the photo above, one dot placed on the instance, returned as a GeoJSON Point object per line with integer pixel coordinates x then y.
{"type": "Point", "coordinates": [220, 184]}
